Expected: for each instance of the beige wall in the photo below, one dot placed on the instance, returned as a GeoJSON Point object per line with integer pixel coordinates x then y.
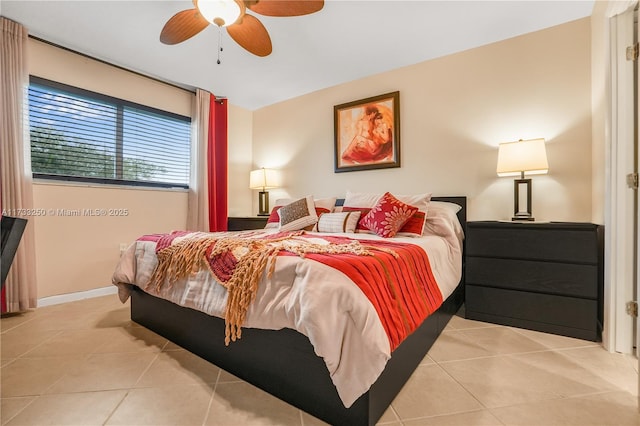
{"type": "Point", "coordinates": [455, 111]}
{"type": "Point", "coordinates": [77, 253]}
{"type": "Point", "coordinates": [66, 67]}
{"type": "Point", "coordinates": [598, 105]}
{"type": "Point", "coordinates": [240, 164]}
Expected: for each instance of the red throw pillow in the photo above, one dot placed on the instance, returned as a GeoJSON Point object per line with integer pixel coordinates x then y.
{"type": "Point", "coordinates": [388, 216]}
{"type": "Point", "coordinates": [274, 217]}
{"type": "Point", "coordinates": [414, 226]}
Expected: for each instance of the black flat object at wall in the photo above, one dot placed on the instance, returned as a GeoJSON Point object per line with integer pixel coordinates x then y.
{"type": "Point", "coordinates": [12, 230]}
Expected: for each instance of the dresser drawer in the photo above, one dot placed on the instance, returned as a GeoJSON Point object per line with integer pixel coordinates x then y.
{"type": "Point", "coordinates": [535, 242]}
{"type": "Point", "coordinates": [568, 279]}
{"type": "Point", "coordinates": [543, 312]}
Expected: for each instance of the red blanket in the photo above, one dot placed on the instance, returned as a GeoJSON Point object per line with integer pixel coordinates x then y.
{"type": "Point", "coordinates": [402, 290]}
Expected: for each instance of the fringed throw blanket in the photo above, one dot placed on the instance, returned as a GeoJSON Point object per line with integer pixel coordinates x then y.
{"type": "Point", "coordinates": [395, 277]}
{"type": "Point", "coordinates": [237, 262]}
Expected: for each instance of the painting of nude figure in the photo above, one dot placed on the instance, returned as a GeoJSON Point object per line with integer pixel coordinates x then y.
{"type": "Point", "coordinates": [367, 133]}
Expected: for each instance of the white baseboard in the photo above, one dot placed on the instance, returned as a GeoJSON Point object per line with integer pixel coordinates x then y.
{"type": "Point", "coordinates": [72, 297]}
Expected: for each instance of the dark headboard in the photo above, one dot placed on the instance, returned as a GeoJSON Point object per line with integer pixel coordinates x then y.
{"type": "Point", "coordinates": [459, 200]}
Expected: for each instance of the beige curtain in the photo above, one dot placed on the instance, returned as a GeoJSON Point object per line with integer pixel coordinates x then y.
{"type": "Point", "coordinates": [198, 212]}
{"type": "Point", "coordinates": [15, 161]}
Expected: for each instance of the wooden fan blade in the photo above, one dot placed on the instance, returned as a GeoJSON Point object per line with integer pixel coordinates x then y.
{"type": "Point", "coordinates": [284, 7]}
{"type": "Point", "coordinates": [182, 26]}
{"type": "Point", "coordinates": [251, 35]}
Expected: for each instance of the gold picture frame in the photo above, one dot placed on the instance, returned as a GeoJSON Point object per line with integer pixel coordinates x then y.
{"type": "Point", "coordinates": [367, 133]}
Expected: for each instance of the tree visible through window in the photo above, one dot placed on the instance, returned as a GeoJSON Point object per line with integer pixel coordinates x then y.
{"type": "Point", "coordinates": [85, 136]}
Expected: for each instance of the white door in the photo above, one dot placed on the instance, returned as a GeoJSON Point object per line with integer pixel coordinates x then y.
{"type": "Point", "coordinates": [622, 218]}
{"type": "Point", "coordinates": [620, 253]}
{"type": "Point", "coordinates": [637, 167]}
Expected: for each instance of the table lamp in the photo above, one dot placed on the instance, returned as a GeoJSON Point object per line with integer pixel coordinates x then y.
{"type": "Point", "coordinates": [524, 157]}
{"type": "Point", "coordinates": [263, 179]}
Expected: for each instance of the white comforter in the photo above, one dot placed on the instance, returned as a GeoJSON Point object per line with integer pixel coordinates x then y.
{"type": "Point", "coordinates": [314, 299]}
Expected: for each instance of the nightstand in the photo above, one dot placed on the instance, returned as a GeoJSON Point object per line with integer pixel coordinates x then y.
{"type": "Point", "coordinates": [540, 276]}
{"type": "Point", "coordinates": [244, 223]}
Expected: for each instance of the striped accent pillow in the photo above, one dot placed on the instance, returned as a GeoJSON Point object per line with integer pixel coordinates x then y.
{"type": "Point", "coordinates": [338, 222]}
{"type": "Point", "coordinates": [363, 212]}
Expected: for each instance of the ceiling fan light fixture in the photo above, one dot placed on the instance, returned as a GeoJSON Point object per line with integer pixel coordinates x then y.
{"type": "Point", "coordinates": [220, 12]}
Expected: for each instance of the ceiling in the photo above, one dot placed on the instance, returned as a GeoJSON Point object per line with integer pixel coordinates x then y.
{"type": "Point", "coordinates": [347, 40]}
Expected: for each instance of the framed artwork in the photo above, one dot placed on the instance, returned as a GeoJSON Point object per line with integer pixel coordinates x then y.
{"type": "Point", "coordinates": [367, 133]}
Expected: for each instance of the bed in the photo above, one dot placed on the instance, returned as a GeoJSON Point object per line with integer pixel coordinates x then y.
{"type": "Point", "coordinates": [283, 362]}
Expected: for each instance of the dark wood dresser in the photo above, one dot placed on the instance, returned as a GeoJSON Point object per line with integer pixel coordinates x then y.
{"type": "Point", "coordinates": [244, 223]}
{"type": "Point", "coordinates": [540, 276]}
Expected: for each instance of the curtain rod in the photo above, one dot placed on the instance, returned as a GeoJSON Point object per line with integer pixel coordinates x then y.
{"type": "Point", "coordinates": [110, 64]}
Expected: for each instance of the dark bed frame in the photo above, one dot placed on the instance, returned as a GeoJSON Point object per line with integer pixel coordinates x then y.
{"type": "Point", "coordinates": [283, 362]}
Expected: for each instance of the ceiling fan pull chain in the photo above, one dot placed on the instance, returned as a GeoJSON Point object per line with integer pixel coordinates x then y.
{"type": "Point", "coordinates": [219, 43]}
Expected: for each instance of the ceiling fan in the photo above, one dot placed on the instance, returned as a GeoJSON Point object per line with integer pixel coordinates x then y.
{"type": "Point", "coordinates": [245, 29]}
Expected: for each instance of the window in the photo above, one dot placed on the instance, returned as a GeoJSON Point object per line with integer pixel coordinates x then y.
{"type": "Point", "coordinates": [78, 135]}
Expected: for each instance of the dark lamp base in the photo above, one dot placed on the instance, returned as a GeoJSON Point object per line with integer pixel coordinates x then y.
{"type": "Point", "coordinates": [263, 199]}
{"type": "Point", "coordinates": [520, 218]}
{"type": "Point", "coordinates": [522, 211]}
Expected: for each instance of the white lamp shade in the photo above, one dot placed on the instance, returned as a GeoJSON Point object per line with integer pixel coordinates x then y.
{"type": "Point", "coordinates": [219, 12]}
{"type": "Point", "coordinates": [263, 179]}
{"type": "Point", "coordinates": [528, 156]}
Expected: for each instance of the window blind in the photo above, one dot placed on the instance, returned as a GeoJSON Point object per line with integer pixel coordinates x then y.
{"type": "Point", "coordinates": [78, 135]}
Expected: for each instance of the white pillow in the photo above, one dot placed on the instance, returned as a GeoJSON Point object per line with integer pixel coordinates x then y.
{"type": "Point", "coordinates": [441, 206]}
{"type": "Point", "coordinates": [361, 199]}
{"type": "Point", "coordinates": [325, 203]}
{"type": "Point", "coordinates": [442, 220]}
{"type": "Point", "coordinates": [369, 200]}
{"type": "Point", "coordinates": [338, 222]}
{"type": "Point", "coordinates": [298, 214]}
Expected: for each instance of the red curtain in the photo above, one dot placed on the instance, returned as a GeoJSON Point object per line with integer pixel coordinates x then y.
{"type": "Point", "coordinates": [3, 300]}
{"type": "Point", "coordinates": [217, 164]}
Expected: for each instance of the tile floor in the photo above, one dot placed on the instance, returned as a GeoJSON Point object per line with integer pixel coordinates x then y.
{"type": "Point", "coordinates": [86, 363]}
